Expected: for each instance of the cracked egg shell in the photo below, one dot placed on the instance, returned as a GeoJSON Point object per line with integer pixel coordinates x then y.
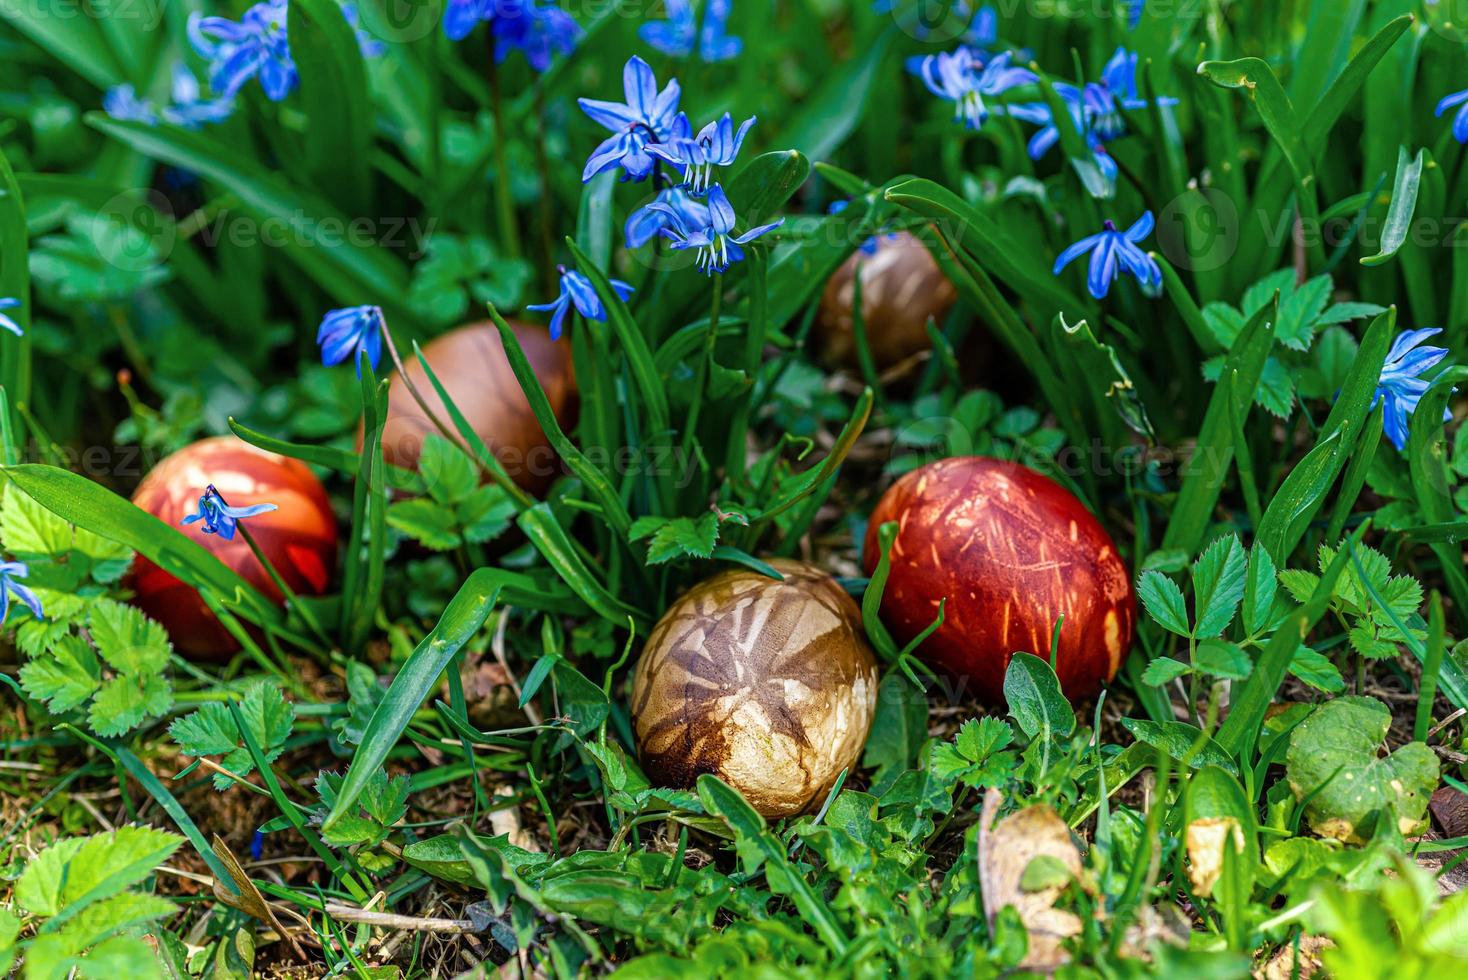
{"type": "Point", "coordinates": [769, 685]}
{"type": "Point", "coordinates": [1012, 551]}
{"type": "Point", "coordinates": [901, 287]}
{"type": "Point", "coordinates": [470, 362]}
{"type": "Point", "coordinates": [300, 538]}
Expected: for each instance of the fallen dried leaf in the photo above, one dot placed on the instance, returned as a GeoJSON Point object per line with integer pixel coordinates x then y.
{"type": "Point", "coordinates": [1205, 839]}
{"type": "Point", "coordinates": [1005, 852]}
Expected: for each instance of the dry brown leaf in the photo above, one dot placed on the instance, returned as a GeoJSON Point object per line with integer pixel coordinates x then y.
{"type": "Point", "coordinates": [1281, 966]}
{"type": "Point", "coordinates": [1005, 851]}
{"type": "Point", "coordinates": [1205, 839]}
{"type": "Point", "coordinates": [249, 900]}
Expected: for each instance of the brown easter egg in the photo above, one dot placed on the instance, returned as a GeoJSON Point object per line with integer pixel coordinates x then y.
{"type": "Point", "coordinates": [901, 287]}
{"type": "Point", "coordinates": [470, 363]}
{"type": "Point", "coordinates": [1012, 551]}
{"type": "Point", "coordinates": [300, 538]}
{"type": "Point", "coordinates": [769, 685]}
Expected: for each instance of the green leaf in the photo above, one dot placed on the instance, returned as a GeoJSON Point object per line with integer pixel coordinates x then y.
{"type": "Point", "coordinates": [1218, 585]}
{"type": "Point", "coordinates": [1260, 588]}
{"type": "Point", "coordinates": [129, 641]}
{"type": "Point", "coordinates": [1335, 764]}
{"type": "Point", "coordinates": [1035, 701]}
{"type": "Point", "coordinates": [1164, 602]}
{"type": "Point", "coordinates": [336, 99]}
{"type": "Point", "coordinates": [1183, 742]}
{"type": "Point", "coordinates": [30, 531]}
{"type": "Point", "coordinates": [71, 874]}
{"type": "Point", "coordinates": [125, 701]}
{"type": "Point", "coordinates": [1303, 493]}
{"type": "Point", "coordinates": [448, 474]}
{"type": "Point", "coordinates": [461, 620]}
{"type": "Point", "coordinates": [90, 506]}
{"type": "Point", "coordinates": [1404, 205]}
{"type": "Point", "coordinates": [210, 730]}
{"type": "Point", "coordinates": [677, 537]}
{"type": "Point", "coordinates": [1219, 658]}
{"type": "Point", "coordinates": [430, 524]}
{"type": "Point", "coordinates": [1164, 670]}
{"type": "Point", "coordinates": [1316, 670]}
{"type": "Point", "coordinates": [1205, 473]}
{"type": "Point", "coordinates": [351, 272]}
{"type": "Point", "coordinates": [66, 676]}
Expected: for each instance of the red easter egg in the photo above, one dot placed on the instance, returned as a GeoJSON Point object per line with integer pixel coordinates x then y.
{"type": "Point", "coordinates": [1012, 551]}
{"type": "Point", "coordinates": [300, 538]}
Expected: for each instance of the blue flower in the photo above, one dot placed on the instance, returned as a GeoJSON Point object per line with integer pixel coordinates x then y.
{"type": "Point", "coordinates": [716, 145]}
{"type": "Point", "coordinates": [648, 116]}
{"type": "Point", "coordinates": [188, 109]}
{"type": "Point", "coordinates": [1114, 252]}
{"type": "Point", "coordinates": [122, 103]}
{"type": "Point", "coordinates": [577, 290]}
{"type": "Point", "coordinates": [221, 519]}
{"type": "Point", "coordinates": [9, 572]}
{"type": "Point", "coordinates": [1096, 110]}
{"type": "Point", "coordinates": [538, 32]}
{"type": "Point", "coordinates": [676, 36]}
{"type": "Point", "coordinates": [648, 222]}
{"type": "Point", "coordinates": [1402, 384]}
{"type": "Point", "coordinates": [349, 332]}
{"type": "Point", "coordinates": [711, 238]}
{"type": "Point", "coordinates": [1134, 11]}
{"type": "Point", "coordinates": [1460, 121]}
{"type": "Point", "coordinates": [255, 47]}
{"type": "Point", "coordinates": [371, 46]}
{"type": "Point", "coordinates": [460, 17]}
{"type": "Point", "coordinates": [10, 303]}
{"type": "Point", "coordinates": [868, 247]}
{"type": "Point", "coordinates": [963, 79]}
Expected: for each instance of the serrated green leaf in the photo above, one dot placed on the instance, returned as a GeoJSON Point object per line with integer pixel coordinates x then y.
{"type": "Point", "coordinates": [127, 701]}
{"type": "Point", "coordinates": [1219, 658]}
{"type": "Point", "coordinates": [1164, 670]}
{"type": "Point", "coordinates": [677, 537]}
{"type": "Point", "coordinates": [65, 677]}
{"type": "Point", "coordinates": [74, 873]}
{"type": "Point", "coordinates": [1164, 602]}
{"type": "Point", "coordinates": [129, 641]}
{"type": "Point", "coordinates": [429, 523]}
{"type": "Point", "coordinates": [1260, 588]}
{"type": "Point", "coordinates": [1218, 585]}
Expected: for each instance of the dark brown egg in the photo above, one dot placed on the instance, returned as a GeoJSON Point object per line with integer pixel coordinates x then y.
{"type": "Point", "coordinates": [768, 685]}
{"type": "Point", "coordinates": [300, 538]}
{"type": "Point", "coordinates": [470, 362]}
{"type": "Point", "coordinates": [901, 287]}
{"type": "Point", "coordinates": [1012, 552]}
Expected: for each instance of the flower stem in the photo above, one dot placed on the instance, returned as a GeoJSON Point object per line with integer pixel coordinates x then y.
{"type": "Point", "coordinates": [704, 364]}
{"type": "Point", "coordinates": [522, 500]}
{"type": "Point", "coordinates": [509, 231]}
{"type": "Point", "coordinates": [292, 599]}
{"type": "Point", "coordinates": [542, 160]}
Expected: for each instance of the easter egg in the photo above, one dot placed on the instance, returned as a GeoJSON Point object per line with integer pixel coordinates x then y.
{"type": "Point", "coordinates": [471, 365]}
{"type": "Point", "coordinates": [299, 538]}
{"type": "Point", "coordinates": [901, 288]}
{"type": "Point", "coordinates": [769, 685]}
{"type": "Point", "coordinates": [1013, 553]}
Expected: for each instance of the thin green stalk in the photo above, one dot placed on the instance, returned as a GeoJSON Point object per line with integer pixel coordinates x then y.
{"type": "Point", "coordinates": [509, 230]}
{"type": "Point", "coordinates": [690, 429]}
